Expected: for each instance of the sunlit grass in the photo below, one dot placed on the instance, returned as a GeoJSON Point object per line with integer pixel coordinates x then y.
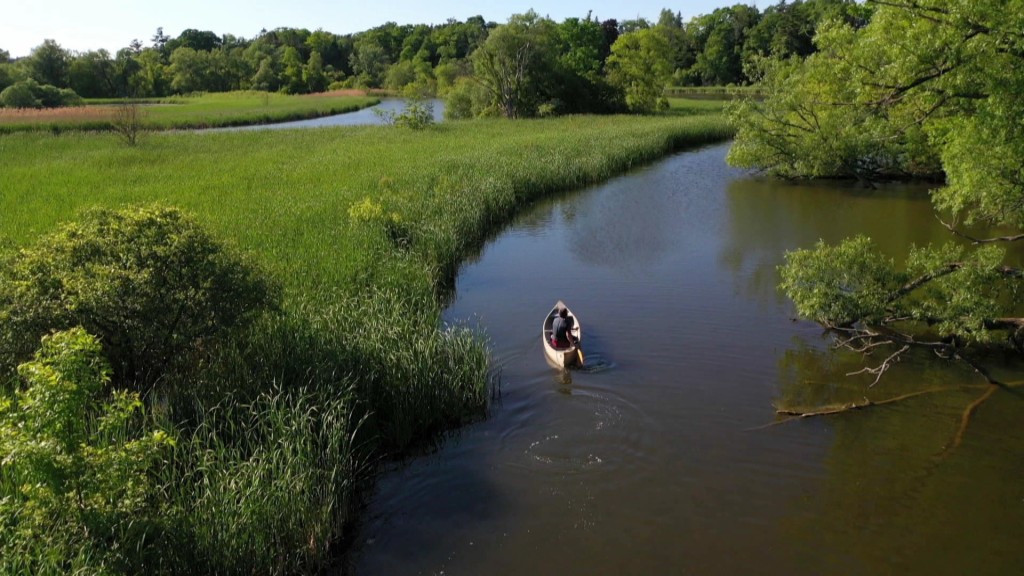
{"type": "Point", "coordinates": [695, 106]}
{"type": "Point", "coordinates": [286, 194]}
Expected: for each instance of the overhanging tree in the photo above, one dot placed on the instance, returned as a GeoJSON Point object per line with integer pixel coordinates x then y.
{"type": "Point", "coordinates": [929, 87]}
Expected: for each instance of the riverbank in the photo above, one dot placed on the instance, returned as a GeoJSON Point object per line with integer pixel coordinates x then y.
{"type": "Point", "coordinates": [364, 228]}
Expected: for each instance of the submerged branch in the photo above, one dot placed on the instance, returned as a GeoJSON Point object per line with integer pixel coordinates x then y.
{"type": "Point", "coordinates": [795, 414]}
{"type": "Point", "coordinates": [965, 419]}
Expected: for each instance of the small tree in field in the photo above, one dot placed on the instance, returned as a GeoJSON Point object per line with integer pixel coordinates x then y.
{"type": "Point", "coordinates": [149, 282]}
{"type": "Point", "coordinates": [128, 120]}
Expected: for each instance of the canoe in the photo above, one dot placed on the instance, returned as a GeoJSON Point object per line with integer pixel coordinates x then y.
{"type": "Point", "coordinates": [561, 357]}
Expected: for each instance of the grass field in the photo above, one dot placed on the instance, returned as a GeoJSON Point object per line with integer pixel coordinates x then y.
{"type": "Point", "coordinates": [285, 195]}
{"type": "Point", "coordinates": [364, 227]}
{"type": "Point", "coordinates": [201, 111]}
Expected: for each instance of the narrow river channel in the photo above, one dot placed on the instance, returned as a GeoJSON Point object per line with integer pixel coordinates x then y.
{"type": "Point", "coordinates": [655, 458]}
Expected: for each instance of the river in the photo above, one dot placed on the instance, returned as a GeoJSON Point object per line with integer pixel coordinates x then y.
{"type": "Point", "coordinates": [371, 116]}
{"type": "Point", "coordinates": [655, 458]}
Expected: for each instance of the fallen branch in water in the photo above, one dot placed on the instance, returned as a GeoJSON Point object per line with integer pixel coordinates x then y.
{"type": "Point", "coordinates": [829, 410]}
{"type": "Point", "coordinates": [965, 418]}
{"type": "Point", "coordinates": [794, 414]}
{"type": "Point", "coordinates": [866, 403]}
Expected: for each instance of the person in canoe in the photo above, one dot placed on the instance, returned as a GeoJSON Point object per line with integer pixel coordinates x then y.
{"type": "Point", "coordinates": [561, 330]}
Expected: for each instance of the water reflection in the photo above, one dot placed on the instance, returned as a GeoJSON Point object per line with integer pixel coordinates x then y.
{"type": "Point", "coordinates": [623, 227]}
{"type": "Point", "coordinates": [769, 217]}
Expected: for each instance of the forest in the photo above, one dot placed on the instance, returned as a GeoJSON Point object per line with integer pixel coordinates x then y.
{"type": "Point", "coordinates": [578, 65]}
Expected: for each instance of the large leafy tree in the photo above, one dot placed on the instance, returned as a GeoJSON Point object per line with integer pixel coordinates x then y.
{"type": "Point", "coordinates": [292, 77]}
{"type": "Point", "coordinates": [515, 63]}
{"type": "Point", "coordinates": [191, 70]}
{"type": "Point", "coordinates": [369, 61]}
{"type": "Point", "coordinates": [151, 79]}
{"type": "Point", "coordinates": [201, 40]}
{"type": "Point", "coordinates": [928, 87]}
{"type": "Point", "coordinates": [91, 74]}
{"type": "Point", "coordinates": [640, 65]}
{"type": "Point", "coordinates": [49, 63]}
{"type": "Point", "coordinates": [581, 86]}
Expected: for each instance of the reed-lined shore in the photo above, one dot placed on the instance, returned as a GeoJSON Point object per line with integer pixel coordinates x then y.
{"type": "Point", "coordinates": [279, 425]}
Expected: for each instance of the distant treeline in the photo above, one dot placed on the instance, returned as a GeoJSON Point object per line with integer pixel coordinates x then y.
{"type": "Point", "coordinates": [717, 49]}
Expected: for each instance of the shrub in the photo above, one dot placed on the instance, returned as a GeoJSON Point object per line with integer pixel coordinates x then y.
{"type": "Point", "coordinates": [76, 464]}
{"type": "Point", "coordinates": [20, 95]}
{"type": "Point", "coordinates": [49, 96]}
{"type": "Point", "coordinates": [148, 281]}
{"type": "Point", "coordinates": [417, 115]}
{"type": "Point", "coordinates": [69, 97]}
{"type": "Point", "coordinates": [467, 99]}
{"type": "Point", "coordinates": [30, 94]}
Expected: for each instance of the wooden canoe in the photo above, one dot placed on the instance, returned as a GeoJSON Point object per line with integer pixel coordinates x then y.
{"type": "Point", "coordinates": [561, 357]}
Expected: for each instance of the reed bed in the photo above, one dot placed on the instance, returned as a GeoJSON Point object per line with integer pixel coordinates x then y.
{"type": "Point", "coordinates": [48, 116]}
{"type": "Point", "coordinates": [263, 485]}
{"type": "Point", "coordinates": [187, 112]}
{"type": "Point", "coordinates": [365, 228]}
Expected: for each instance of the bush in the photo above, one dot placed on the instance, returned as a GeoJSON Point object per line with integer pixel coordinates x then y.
{"type": "Point", "coordinates": [69, 97]}
{"type": "Point", "coordinates": [20, 95]}
{"type": "Point", "coordinates": [466, 99]}
{"type": "Point", "coordinates": [49, 96]}
{"type": "Point", "coordinates": [418, 114]}
{"type": "Point", "coordinates": [77, 465]}
{"type": "Point", "coordinates": [30, 94]}
{"type": "Point", "coordinates": [148, 281]}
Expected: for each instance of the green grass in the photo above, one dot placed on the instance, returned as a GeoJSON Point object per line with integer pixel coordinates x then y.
{"type": "Point", "coordinates": [285, 195]}
{"type": "Point", "coordinates": [364, 227]}
{"type": "Point", "coordinates": [713, 92]}
{"type": "Point", "coordinates": [180, 112]}
{"type": "Point", "coordinates": [695, 106]}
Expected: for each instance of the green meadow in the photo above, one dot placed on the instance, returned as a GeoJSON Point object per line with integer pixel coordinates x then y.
{"type": "Point", "coordinates": [286, 195]}
{"type": "Point", "coordinates": [278, 426]}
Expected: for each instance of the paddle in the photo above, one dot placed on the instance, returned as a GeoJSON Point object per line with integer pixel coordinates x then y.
{"type": "Point", "coordinates": [579, 350]}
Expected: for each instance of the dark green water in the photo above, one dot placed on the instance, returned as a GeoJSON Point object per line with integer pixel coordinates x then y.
{"type": "Point", "coordinates": [653, 459]}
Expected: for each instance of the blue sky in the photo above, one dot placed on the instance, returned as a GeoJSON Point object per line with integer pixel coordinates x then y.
{"type": "Point", "coordinates": [81, 25]}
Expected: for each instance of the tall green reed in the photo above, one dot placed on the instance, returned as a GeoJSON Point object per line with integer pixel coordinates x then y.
{"type": "Point", "coordinates": [264, 485]}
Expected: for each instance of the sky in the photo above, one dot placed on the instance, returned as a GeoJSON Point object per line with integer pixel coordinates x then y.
{"type": "Point", "coordinates": [80, 26]}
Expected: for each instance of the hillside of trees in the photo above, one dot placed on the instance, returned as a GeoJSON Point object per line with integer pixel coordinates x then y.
{"type": "Point", "coordinates": [530, 65]}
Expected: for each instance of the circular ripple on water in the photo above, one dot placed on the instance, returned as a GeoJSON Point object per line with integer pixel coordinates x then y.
{"type": "Point", "coordinates": [584, 431]}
